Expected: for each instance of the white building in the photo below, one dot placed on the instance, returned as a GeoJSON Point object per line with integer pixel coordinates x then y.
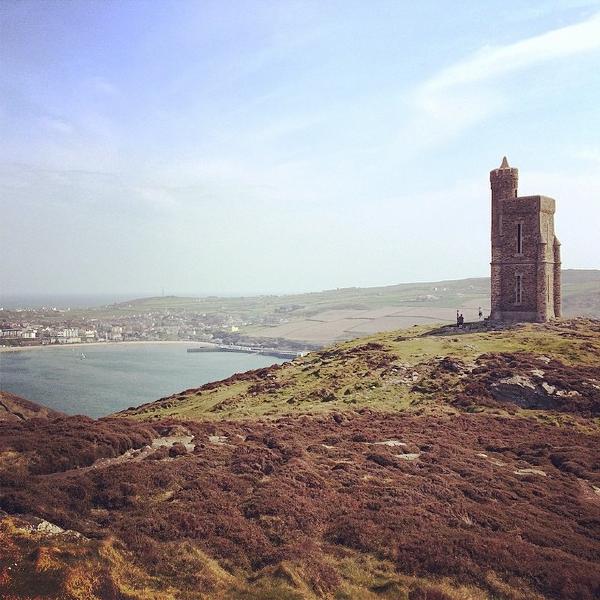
{"type": "Point", "coordinates": [68, 336]}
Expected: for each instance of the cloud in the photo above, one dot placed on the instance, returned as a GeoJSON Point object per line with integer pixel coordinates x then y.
{"type": "Point", "coordinates": [461, 95]}
{"type": "Point", "coordinates": [491, 62]}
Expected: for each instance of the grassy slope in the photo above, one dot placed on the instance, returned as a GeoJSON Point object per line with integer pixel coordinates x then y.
{"type": "Point", "coordinates": [289, 492]}
{"type": "Point", "coordinates": [389, 371]}
{"type": "Point", "coordinates": [581, 295]}
{"type": "Point", "coordinates": [577, 285]}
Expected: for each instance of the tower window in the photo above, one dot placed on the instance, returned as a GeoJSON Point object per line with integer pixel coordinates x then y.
{"type": "Point", "coordinates": [519, 238]}
{"type": "Point", "coordinates": [518, 289]}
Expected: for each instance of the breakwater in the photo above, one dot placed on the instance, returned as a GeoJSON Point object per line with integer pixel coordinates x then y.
{"type": "Point", "coordinates": [277, 353]}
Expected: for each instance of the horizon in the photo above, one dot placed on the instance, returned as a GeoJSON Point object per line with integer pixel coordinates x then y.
{"type": "Point", "coordinates": [280, 148]}
{"type": "Point", "coordinates": [32, 300]}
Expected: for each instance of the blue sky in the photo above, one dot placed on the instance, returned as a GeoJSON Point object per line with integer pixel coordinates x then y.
{"type": "Point", "coordinates": [223, 147]}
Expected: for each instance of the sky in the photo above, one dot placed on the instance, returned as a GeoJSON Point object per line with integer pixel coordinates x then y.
{"type": "Point", "coordinates": [253, 147]}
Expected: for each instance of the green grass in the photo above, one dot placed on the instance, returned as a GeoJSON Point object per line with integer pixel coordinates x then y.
{"type": "Point", "coordinates": [396, 375]}
{"type": "Point", "coordinates": [577, 284]}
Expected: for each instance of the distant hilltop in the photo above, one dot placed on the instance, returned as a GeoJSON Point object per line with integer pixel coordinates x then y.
{"type": "Point", "coordinates": [290, 323]}
{"type": "Point", "coordinates": [580, 280]}
{"type": "Point", "coordinates": [321, 318]}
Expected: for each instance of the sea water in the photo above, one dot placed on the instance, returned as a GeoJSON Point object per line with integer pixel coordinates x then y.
{"type": "Point", "coordinates": [99, 380]}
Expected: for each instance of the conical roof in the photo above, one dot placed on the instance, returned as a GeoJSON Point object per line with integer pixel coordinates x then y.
{"type": "Point", "coordinates": [504, 164]}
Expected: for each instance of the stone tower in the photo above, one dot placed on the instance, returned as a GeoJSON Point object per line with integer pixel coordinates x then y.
{"type": "Point", "coordinates": [525, 252]}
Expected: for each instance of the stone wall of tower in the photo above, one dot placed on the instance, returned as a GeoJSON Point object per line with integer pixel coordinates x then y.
{"type": "Point", "coordinates": [545, 259]}
{"type": "Point", "coordinates": [504, 184]}
{"type": "Point", "coordinates": [556, 280]}
{"type": "Point", "coordinates": [525, 281]}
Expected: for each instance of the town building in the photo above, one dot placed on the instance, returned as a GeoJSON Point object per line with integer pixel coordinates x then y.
{"type": "Point", "coordinates": [68, 335]}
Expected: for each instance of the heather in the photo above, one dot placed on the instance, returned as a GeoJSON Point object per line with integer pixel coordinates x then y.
{"type": "Point", "coordinates": [474, 498]}
{"type": "Point", "coordinates": [49, 446]}
{"type": "Point", "coordinates": [446, 464]}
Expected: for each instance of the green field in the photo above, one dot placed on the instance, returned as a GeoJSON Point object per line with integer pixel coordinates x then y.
{"type": "Point", "coordinates": [581, 290]}
{"type": "Point", "coordinates": [321, 318]}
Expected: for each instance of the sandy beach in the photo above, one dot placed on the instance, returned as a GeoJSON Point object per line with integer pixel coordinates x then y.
{"type": "Point", "coordinates": [91, 344]}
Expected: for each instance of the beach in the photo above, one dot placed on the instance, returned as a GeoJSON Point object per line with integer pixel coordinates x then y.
{"type": "Point", "coordinates": [105, 344]}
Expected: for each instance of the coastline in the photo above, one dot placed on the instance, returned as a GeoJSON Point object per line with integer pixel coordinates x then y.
{"type": "Point", "coordinates": [90, 344]}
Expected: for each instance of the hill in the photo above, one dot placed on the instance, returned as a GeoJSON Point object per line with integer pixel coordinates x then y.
{"type": "Point", "coordinates": [389, 371]}
{"type": "Point", "coordinates": [15, 408]}
{"type": "Point", "coordinates": [299, 321]}
{"type": "Point", "coordinates": [322, 318]}
{"type": "Point", "coordinates": [581, 293]}
{"type": "Point", "coordinates": [420, 464]}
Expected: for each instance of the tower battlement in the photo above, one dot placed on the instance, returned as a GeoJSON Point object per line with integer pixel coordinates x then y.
{"type": "Point", "coordinates": [504, 181]}
{"type": "Point", "coordinates": [525, 267]}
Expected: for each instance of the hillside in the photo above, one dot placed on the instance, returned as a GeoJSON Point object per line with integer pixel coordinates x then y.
{"type": "Point", "coordinates": [581, 293]}
{"type": "Point", "coordinates": [322, 318]}
{"type": "Point", "coordinates": [416, 369]}
{"type": "Point", "coordinates": [416, 464]}
{"type": "Point", "coordinates": [344, 314]}
{"type": "Point", "coordinates": [577, 284]}
{"type": "Point", "coordinates": [14, 408]}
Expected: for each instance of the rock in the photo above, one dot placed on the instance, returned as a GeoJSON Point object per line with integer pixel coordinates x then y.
{"type": "Point", "coordinates": [450, 364]}
{"type": "Point", "coordinates": [47, 527]}
{"type": "Point", "coordinates": [408, 456]}
{"type": "Point", "coordinates": [390, 443]}
{"type": "Point", "coordinates": [217, 439]}
{"type": "Point", "coordinates": [530, 472]}
{"type": "Point", "coordinates": [524, 392]}
{"type": "Point", "coordinates": [550, 389]}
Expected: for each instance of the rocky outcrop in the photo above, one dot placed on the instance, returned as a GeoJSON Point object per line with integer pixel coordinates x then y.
{"type": "Point", "coordinates": [526, 393]}
{"type": "Point", "coordinates": [532, 382]}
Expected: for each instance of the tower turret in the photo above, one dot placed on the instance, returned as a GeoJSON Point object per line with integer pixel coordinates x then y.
{"type": "Point", "coordinates": [504, 181]}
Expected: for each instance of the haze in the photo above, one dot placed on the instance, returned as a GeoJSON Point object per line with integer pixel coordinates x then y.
{"type": "Point", "coordinates": [224, 147]}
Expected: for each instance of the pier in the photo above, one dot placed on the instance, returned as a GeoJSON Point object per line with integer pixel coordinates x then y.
{"type": "Point", "coordinates": [277, 353]}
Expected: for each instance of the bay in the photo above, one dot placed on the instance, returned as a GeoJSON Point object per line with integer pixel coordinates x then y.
{"type": "Point", "coordinates": [113, 377]}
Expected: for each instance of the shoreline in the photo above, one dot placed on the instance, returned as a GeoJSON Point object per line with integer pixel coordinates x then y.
{"type": "Point", "coordinates": [96, 344]}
